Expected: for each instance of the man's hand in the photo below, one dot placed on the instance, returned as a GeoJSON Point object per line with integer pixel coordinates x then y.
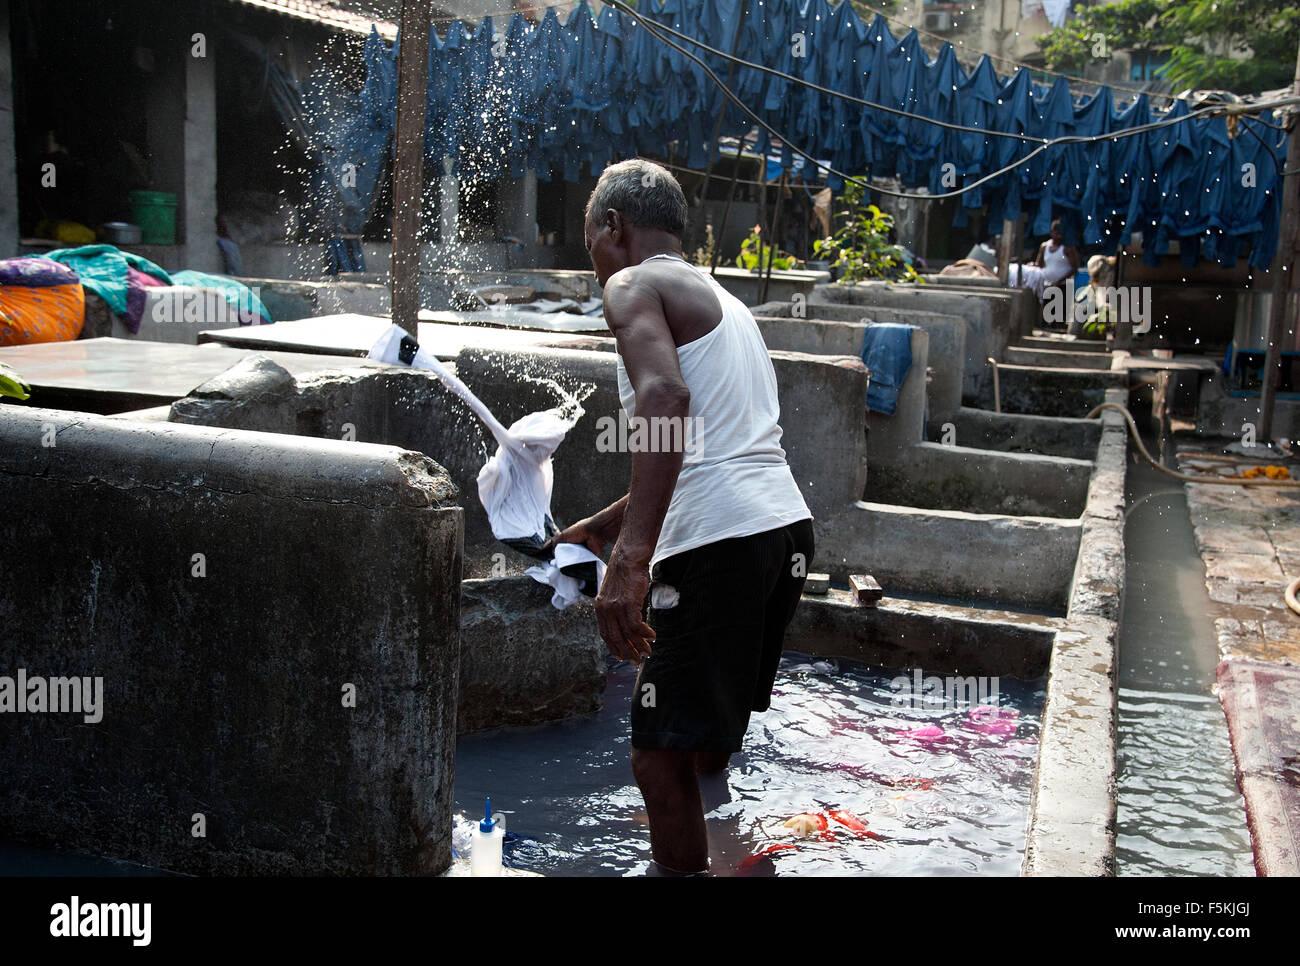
{"type": "Point", "coordinates": [619, 609]}
{"type": "Point", "coordinates": [584, 532]}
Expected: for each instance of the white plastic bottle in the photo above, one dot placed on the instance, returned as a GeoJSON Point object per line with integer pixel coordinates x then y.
{"type": "Point", "coordinates": [488, 837]}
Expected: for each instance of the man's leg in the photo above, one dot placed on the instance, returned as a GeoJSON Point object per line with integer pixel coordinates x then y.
{"type": "Point", "coordinates": [666, 777]}
{"type": "Point", "coordinates": [711, 763]}
{"type": "Point", "coordinates": [698, 686]}
{"type": "Point", "coordinates": [711, 775]}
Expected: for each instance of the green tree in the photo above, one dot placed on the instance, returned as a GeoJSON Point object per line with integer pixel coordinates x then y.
{"type": "Point", "coordinates": [1244, 46]}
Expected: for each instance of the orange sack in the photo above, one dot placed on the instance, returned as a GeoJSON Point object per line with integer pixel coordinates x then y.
{"type": "Point", "coordinates": [40, 301]}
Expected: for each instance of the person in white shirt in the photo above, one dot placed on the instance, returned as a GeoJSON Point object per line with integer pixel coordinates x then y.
{"type": "Point", "coordinates": [713, 529]}
{"type": "Point", "coordinates": [1055, 262]}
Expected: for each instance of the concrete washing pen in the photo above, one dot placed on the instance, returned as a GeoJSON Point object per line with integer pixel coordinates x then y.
{"type": "Point", "coordinates": [514, 485]}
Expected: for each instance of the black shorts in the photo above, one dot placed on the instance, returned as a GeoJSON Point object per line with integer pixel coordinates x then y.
{"type": "Point", "coordinates": [716, 650]}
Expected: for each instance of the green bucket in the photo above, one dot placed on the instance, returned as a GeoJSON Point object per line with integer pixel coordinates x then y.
{"type": "Point", "coordinates": [155, 213]}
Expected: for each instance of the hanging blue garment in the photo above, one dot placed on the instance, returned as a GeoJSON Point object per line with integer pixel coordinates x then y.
{"type": "Point", "coordinates": [561, 96]}
{"type": "Point", "coordinates": [926, 144]}
{"type": "Point", "coordinates": [887, 354]}
{"type": "Point", "coordinates": [977, 100]}
{"type": "Point", "coordinates": [876, 127]}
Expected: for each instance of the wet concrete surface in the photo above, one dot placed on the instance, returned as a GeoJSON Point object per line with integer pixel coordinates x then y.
{"type": "Point", "coordinates": [1249, 541]}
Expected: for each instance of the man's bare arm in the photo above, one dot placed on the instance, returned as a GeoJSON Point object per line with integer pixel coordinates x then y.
{"type": "Point", "coordinates": [597, 530]}
{"type": "Point", "coordinates": [634, 312]}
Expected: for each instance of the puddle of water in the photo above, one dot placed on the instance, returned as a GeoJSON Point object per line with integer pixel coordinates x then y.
{"type": "Point", "coordinates": [1180, 811]}
{"type": "Point", "coordinates": [829, 742]}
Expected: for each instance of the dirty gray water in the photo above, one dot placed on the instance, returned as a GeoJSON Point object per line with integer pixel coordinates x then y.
{"type": "Point", "coordinates": [953, 806]}
{"type": "Point", "coordinates": [1180, 811]}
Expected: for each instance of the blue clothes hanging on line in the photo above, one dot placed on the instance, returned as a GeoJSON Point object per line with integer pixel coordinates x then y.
{"type": "Point", "coordinates": [557, 96]}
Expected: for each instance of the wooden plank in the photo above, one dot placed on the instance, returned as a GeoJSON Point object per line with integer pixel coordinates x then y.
{"type": "Point", "coordinates": [1008, 248]}
{"type": "Point", "coordinates": [865, 589]}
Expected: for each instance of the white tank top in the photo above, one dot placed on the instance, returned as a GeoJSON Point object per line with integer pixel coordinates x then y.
{"type": "Point", "coordinates": [1055, 263]}
{"type": "Point", "coordinates": [734, 480]}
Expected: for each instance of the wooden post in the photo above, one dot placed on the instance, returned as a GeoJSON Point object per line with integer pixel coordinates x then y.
{"type": "Point", "coordinates": [1008, 248]}
{"type": "Point", "coordinates": [772, 245]}
{"type": "Point", "coordinates": [1282, 270]}
{"type": "Point", "coordinates": [408, 161]}
{"type": "Point", "coordinates": [726, 212]}
{"type": "Point", "coordinates": [722, 111]}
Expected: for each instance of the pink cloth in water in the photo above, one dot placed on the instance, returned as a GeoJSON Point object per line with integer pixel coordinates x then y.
{"type": "Point", "coordinates": [925, 734]}
{"type": "Point", "coordinates": [993, 720]}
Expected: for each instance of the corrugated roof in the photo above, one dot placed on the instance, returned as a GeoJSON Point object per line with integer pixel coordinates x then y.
{"type": "Point", "coordinates": [325, 14]}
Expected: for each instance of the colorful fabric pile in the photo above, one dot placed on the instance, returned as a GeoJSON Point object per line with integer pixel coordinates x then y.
{"type": "Point", "coordinates": [40, 301]}
{"type": "Point", "coordinates": [121, 278]}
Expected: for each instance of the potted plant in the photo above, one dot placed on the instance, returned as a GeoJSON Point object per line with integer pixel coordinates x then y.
{"type": "Point", "coordinates": [860, 249]}
{"type": "Point", "coordinates": [755, 256]}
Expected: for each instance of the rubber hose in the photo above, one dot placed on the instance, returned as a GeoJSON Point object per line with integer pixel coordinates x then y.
{"type": "Point", "coordinates": [1291, 588]}
{"type": "Point", "coordinates": [1290, 595]}
{"type": "Point", "coordinates": [1185, 477]}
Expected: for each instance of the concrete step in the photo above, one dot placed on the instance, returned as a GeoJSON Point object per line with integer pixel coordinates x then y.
{"type": "Point", "coordinates": [1056, 340]}
{"type": "Point", "coordinates": [1054, 358]}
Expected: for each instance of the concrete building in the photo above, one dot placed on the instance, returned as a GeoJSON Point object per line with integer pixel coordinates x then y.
{"type": "Point", "coordinates": [1009, 30]}
{"type": "Point", "coordinates": [999, 28]}
{"type": "Point", "coordinates": [197, 100]}
{"type": "Point", "coordinates": [100, 99]}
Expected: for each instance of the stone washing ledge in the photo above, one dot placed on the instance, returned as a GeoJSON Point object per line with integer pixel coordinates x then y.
{"type": "Point", "coordinates": [1249, 542]}
{"type": "Point", "coordinates": [1073, 809]}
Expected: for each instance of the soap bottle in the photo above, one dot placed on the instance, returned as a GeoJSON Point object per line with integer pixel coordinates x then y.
{"type": "Point", "coordinates": [488, 837]}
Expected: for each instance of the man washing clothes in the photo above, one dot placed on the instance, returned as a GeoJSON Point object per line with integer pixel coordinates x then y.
{"type": "Point", "coordinates": [715, 532]}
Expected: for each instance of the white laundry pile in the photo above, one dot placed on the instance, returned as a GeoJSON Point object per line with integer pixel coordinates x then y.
{"type": "Point", "coordinates": [514, 485]}
{"type": "Point", "coordinates": [1027, 276]}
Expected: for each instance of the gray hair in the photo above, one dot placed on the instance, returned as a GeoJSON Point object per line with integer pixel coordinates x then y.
{"type": "Point", "coordinates": [645, 193]}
